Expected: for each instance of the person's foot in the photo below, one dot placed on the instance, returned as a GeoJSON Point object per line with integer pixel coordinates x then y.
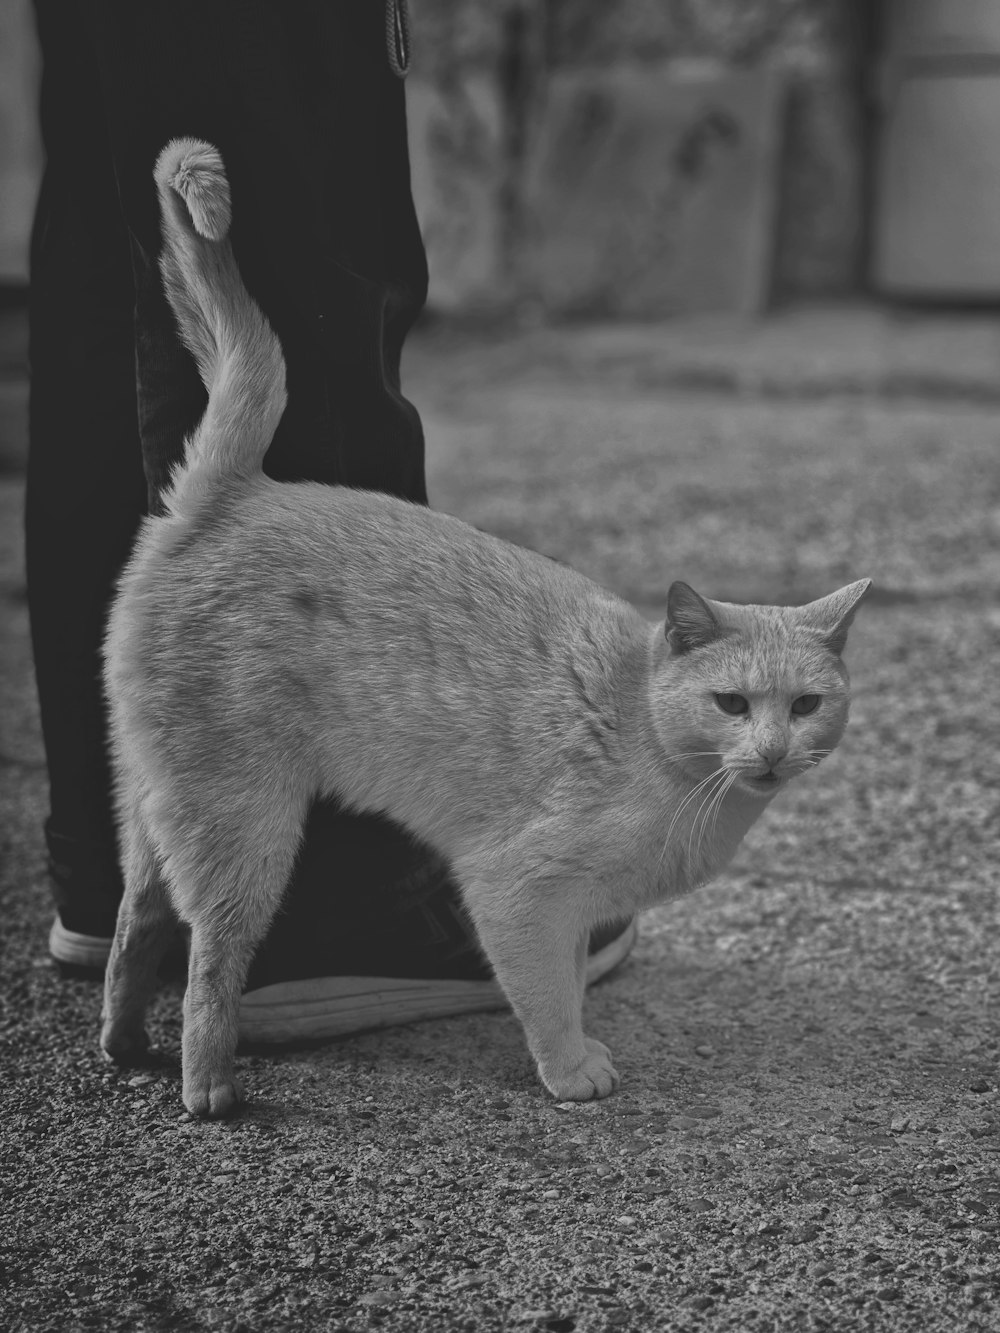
{"type": "Point", "coordinates": [87, 888]}
{"type": "Point", "coordinates": [78, 952]}
{"type": "Point", "coordinates": [321, 1007]}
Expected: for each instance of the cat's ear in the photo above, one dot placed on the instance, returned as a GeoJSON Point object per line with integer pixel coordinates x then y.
{"type": "Point", "coordinates": [691, 622]}
{"type": "Point", "coordinates": [832, 615]}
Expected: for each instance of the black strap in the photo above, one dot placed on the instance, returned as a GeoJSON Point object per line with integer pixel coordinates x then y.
{"type": "Point", "coordinates": [397, 36]}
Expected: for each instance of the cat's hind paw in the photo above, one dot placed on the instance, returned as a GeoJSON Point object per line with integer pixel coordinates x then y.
{"type": "Point", "coordinates": [588, 1080]}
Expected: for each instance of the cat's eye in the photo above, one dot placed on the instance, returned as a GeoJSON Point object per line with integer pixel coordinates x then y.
{"type": "Point", "coordinates": [806, 703]}
{"type": "Point", "coordinates": [732, 703]}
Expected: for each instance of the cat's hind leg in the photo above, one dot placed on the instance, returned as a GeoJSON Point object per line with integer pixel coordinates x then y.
{"type": "Point", "coordinates": [146, 926]}
{"type": "Point", "coordinates": [535, 937]}
{"type": "Point", "coordinates": [231, 888]}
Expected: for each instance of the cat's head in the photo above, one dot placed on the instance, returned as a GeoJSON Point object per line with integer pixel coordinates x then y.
{"type": "Point", "coordinates": [760, 691]}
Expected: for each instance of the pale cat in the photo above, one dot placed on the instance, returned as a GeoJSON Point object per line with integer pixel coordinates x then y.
{"type": "Point", "coordinates": [275, 642]}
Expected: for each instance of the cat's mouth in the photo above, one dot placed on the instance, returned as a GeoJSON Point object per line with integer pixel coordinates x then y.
{"type": "Point", "coordinates": [769, 781]}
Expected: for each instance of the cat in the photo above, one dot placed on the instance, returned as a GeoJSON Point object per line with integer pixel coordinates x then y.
{"type": "Point", "coordinates": [275, 642]}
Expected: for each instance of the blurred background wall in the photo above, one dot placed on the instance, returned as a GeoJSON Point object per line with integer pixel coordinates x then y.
{"type": "Point", "coordinates": [639, 158]}
{"type": "Point", "coordinates": [642, 157]}
{"type": "Point", "coordinates": [20, 145]}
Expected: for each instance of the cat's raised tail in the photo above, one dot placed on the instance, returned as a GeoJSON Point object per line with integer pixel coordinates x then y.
{"type": "Point", "coordinates": [238, 355]}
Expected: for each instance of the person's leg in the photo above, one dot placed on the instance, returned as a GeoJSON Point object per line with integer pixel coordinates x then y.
{"type": "Point", "coordinates": [113, 84]}
{"type": "Point", "coordinates": [301, 101]}
{"type": "Point", "coordinates": [85, 486]}
{"type": "Point", "coordinates": [310, 120]}
{"type": "Point", "coordinates": [311, 123]}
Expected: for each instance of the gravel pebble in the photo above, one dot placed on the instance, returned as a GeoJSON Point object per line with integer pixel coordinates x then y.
{"type": "Point", "coordinates": [383, 1296]}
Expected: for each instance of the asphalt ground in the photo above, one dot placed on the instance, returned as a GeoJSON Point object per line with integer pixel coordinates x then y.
{"type": "Point", "coordinates": [807, 1135]}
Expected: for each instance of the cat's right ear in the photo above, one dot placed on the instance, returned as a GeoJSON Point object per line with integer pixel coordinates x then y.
{"type": "Point", "coordinates": [832, 615]}
{"type": "Point", "coordinates": [691, 622]}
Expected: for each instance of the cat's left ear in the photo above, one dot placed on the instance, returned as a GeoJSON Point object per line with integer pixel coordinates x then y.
{"type": "Point", "coordinates": [691, 622]}
{"type": "Point", "coordinates": [832, 615]}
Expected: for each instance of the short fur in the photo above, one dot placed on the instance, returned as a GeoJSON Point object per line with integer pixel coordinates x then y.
{"type": "Point", "coordinates": [274, 643]}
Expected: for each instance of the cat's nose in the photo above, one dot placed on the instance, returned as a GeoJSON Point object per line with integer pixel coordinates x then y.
{"type": "Point", "coordinates": [772, 751]}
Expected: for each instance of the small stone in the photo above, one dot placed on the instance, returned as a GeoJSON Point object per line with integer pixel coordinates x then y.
{"type": "Point", "coordinates": [625, 1221]}
{"type": "Point", "coordinates": [703, 1112]}
{"type": "Point", "coordinates": [801, 1235]}
{"type": "Point", "coordinates": [899, 1124]}
{"type": "Point", "coordinates": [704, 1051]}
{"type": "Point", "coordinates": [981, 1085]}
{"type": "Point", "coordinates": [472, 1280]}
{"type": "Point", "coordinates": [902, 1198]}
{"type": "Point", "coordinates": [551, 1194]}
{"type": "Point", "coordinates": [385, 1296]}
{"type": "Point", "coordinates": [141, 1080]}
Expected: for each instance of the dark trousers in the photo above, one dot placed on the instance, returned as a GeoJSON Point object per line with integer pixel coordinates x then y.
{"type": "Point", "coordinates": [309, 116]}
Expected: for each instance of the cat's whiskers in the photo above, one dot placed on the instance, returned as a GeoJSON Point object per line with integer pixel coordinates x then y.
{"type": "Point", "coordinates": [698, 787]}
{"type": "Point", "coordinates": [720, 798]}
{"type": "Point", "coordinates": [811, 759]}
{"type": "Point", "coordinates": [695, 754]}
{"type": "Point", "coordinates": [709, 810]}
{"type": "Point", "coordinates": [704, 789]}
{"type": "Point", "coordinates": [707, 797]}
{"type": "Point", "coordinates": [692, 794]}
{"type": "Point", "coordinates": [704, 811]}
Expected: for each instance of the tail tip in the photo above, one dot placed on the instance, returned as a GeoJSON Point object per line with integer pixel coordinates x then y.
{"type": "Point", "coordinates": [194, 171]}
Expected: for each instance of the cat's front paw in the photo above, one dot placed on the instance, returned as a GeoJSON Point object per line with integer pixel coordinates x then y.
{"type": "Point", "coordinates": [589, 1079]}
{"type": "Point", "coordinates": [212, 1098]}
